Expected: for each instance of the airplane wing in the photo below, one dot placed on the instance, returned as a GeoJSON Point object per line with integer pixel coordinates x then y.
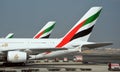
{"type": "Point", "coordinates": [48, 49]}
{"type": "Point", "coordinates": [96, 45]}
{"type": "Point", "coordinates": [32, 49]}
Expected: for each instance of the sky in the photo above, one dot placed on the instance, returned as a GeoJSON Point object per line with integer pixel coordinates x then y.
{"type": "Point", "coordinates": [26, 17]}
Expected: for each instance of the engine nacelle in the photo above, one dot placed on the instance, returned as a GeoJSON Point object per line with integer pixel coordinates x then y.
{"type": "Point", "coordinates": [16, 56]}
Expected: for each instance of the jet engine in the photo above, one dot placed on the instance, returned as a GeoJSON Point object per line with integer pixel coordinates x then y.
{"type": "Point", "coordinates": [16, 56]}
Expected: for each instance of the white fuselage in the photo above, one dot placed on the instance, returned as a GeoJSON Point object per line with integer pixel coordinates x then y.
{"type": "Point", "coordinates": [23, 43]}
{"type": "Point", "coordinates": [13, 44]}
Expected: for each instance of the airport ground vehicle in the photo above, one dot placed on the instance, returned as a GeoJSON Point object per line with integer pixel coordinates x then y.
{"type": "Point", "coordinates": [114, 66]}
{"type": "Point", "coordinates": [65, 59]}
{"type": "Point", "coordinates": [78, 58]}
{"type": "Point", "coordinates": [56, 59]}
{"type": "Point", "coordinates": [46, 60]}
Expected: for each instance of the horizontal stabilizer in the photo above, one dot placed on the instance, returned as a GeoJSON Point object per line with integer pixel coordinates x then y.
{"type": "Point", "coordinates": [96, 45]}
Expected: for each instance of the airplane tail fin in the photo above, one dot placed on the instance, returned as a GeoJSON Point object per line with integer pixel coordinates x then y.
{"type": "Point", "coordinates": [45, 31]}
{"type": "Point", "coordinates": [82, 29]}
{"type": "Point", "coordinates": [10, 35]}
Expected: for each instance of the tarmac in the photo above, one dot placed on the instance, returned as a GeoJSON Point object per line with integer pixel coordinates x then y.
{"type": "Point", "coordinates": [56, 67]}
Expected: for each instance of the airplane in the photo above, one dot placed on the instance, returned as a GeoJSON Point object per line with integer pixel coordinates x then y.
{"type": "Point", "coordinates": [84, 33]}
{"type": "Point", "coordinates": [73, 41]}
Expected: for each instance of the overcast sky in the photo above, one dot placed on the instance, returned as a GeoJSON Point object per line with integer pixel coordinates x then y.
{"type": "Point", "coordinates": [26, 17]}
